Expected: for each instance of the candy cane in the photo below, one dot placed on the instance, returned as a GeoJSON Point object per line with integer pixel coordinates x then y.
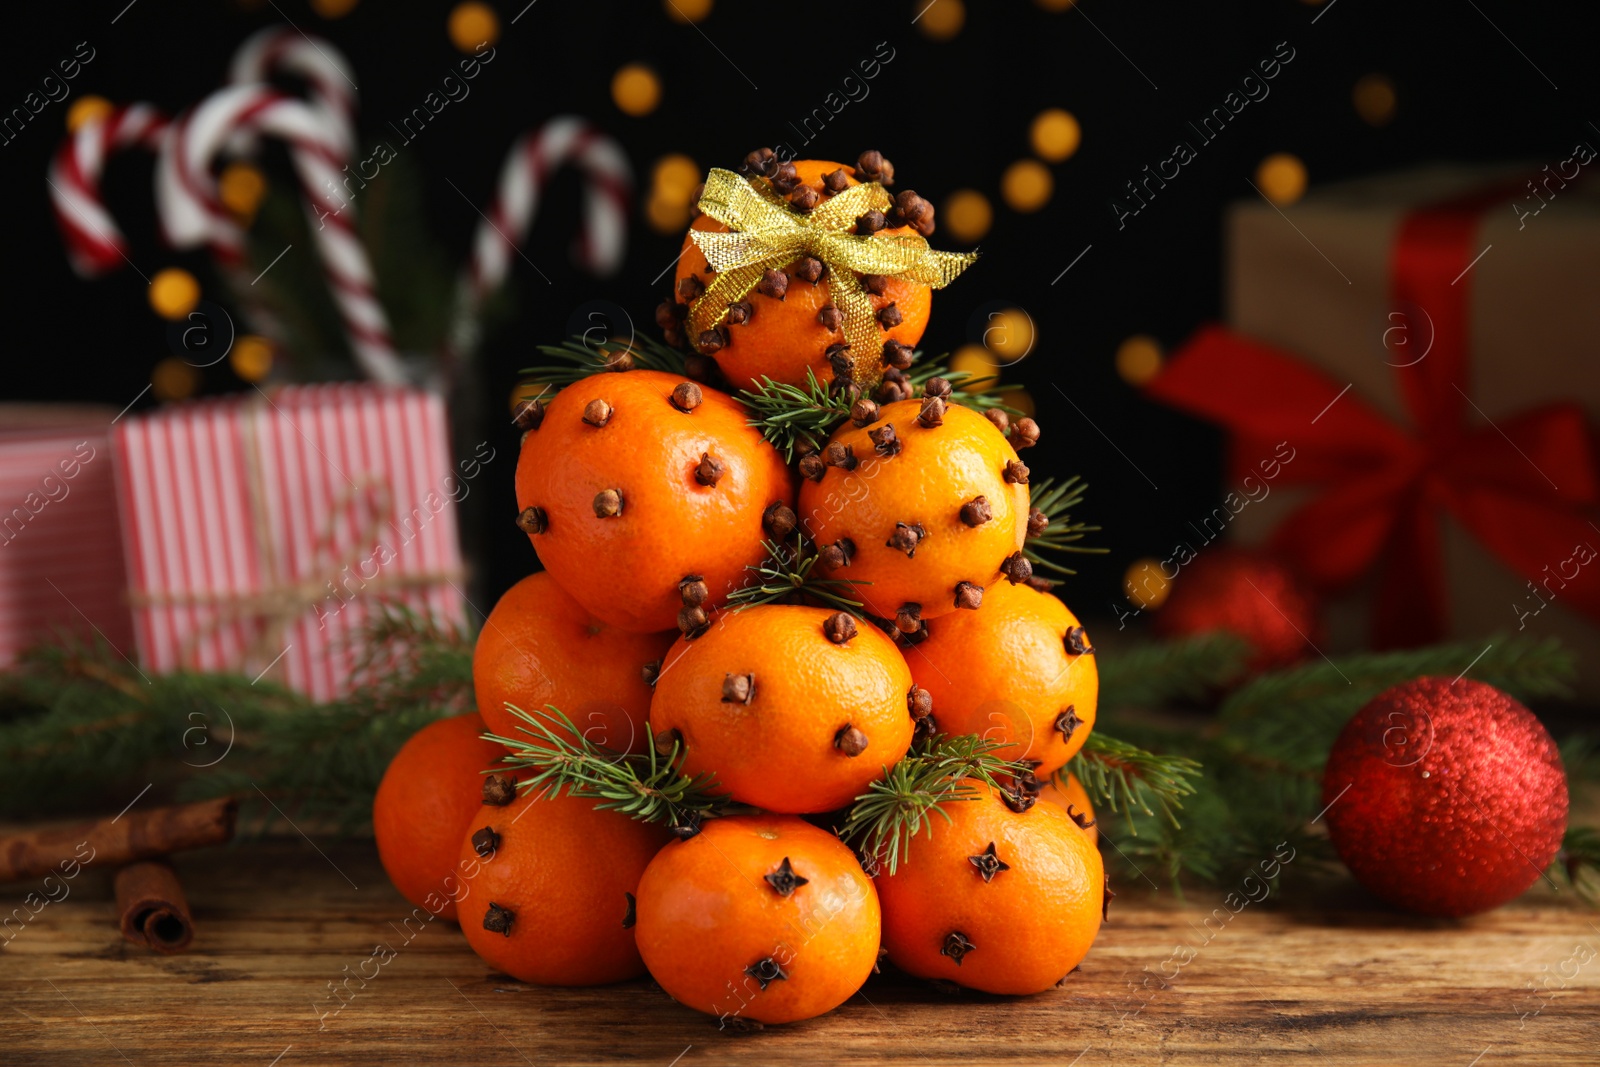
{"type": "Point", "coordinates": [192, 214]}
{"type": "Point", "coordinates": [533, 158]}
{"type": "Point", "coordinates": [331, 84]}
{"type": "Point", "coordinates": [95, 244]}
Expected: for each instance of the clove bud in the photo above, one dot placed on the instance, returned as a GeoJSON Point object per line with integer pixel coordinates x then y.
{"type": "Point", "coordinates": [738, 688]}
{"type": "Point", "coordinates": [851, 741]}
{"type": "Point", "coordinates": [779, 520]}
{"type": "Point", "coordinates": [969, 596]}
{"type": "Point", "coordinates": [687, 396]}
{"type": "Point", "coordinates": [1016, 568]}
{"type": "Point", "coordinates": [773, 283]}
{"type": "Point", "coordinates": [597, 412]}
{"type": "Point", "coordinates": [976, 511]}
{"type": "Point", "coordinates": [839, 627]}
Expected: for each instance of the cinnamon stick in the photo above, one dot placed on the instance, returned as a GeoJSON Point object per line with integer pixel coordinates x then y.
{"type": "Point", "coordinates": [154, 911]}
{"type": "Point", "coordinates": [126, 839]}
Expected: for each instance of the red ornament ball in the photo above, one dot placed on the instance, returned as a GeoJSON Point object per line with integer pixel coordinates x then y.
{"type": "Point", "coordinates": [1247, 593]}
{"type": "Point", "coordinates": [1445, 797]}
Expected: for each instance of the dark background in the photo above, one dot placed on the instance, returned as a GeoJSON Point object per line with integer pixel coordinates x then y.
{"type": "Point", "coordinates": [951, 114]}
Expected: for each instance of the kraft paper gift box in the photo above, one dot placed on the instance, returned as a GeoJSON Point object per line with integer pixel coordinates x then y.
{"type": "Point", "coordinates": [263, 533]}
{"type": "Point", "coordinates": [1441, 323]}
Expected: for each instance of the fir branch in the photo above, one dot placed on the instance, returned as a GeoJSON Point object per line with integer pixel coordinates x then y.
{"type": "Point", "coordinates": [647, 786]}
{"type": "Point", "coordinates": [1060, 533]}
{"type": "Point", "coordinates": [787, 576]}
{"type": "Point", "coordinates": [938, 771]}
{"type": "Point", "coordinates": [1579, 861]}
{"type": "Point", "coordinates": [1324, 695]}
{"type": "Point", "coordinates": [1125, 778]}
{"type": "Point", "coordinates": [789, 416]}
{"type": "Point", "coordinates": [578, 359]}
{"type": "Point", "coordinates": [1182, 671]}
{"type": "Point", "coordinates": [66, 705]}
{"type": "Point", "coordinates": [1580, 755]}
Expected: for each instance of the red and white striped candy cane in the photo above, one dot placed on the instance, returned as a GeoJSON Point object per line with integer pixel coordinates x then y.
{"type": "Point", "coordinates": [533, 159]}
{"type": "Point", "coordinates": [192, 213]}
{"type": "Point", "coordinates": [94, 242]}
{"type": "Point", "coordinates": [328, 76]}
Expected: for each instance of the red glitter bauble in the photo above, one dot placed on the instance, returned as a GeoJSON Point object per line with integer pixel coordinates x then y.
{"type": "Point", "coordinates": [1247, 593]}
{"type": "Point", "coordinates": [1445, 797]}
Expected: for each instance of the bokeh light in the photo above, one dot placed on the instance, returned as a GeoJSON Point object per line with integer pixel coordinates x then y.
{"type": "Point", "coordinates": [173, 379]}
{"type": "Point", "coordinates": [686, 10]}
{"type": "Point", "coordinates": [967, 215]}
{"type": "Point", "coordinates": [1144, 585]}
{"type": "Point", "coordinates": [940, 19]}
{"type": "Point", "coordinates": [977, 361]}
{"type": "Point", "coordinates": [1010, 335]}
{"type": "Point", "coordinates": [1139, 359]}
{"type": "Point", "coordinates": [1055, 134]}
{"type": "Point", "coordinates": [635, 89]}
{"type": "Point", "coordinates": [251, 358]}
{"type": "Point", "coordinates": [241, 188]}
{"type": "Point", "coordinates": [1027, 185]}
{"type": "Point", "coordinates": [1281, 177]}
{"type": "Point", "coordinates": [473, 24]}
{"type": "Point", "coordinates": [174, 293]}
{"type": "Point", "coordinates": [87, 109]}
{"type": "Point", "coordinates": [1374, 99]}
{"type": "Point", "coordinates": [333, 9]}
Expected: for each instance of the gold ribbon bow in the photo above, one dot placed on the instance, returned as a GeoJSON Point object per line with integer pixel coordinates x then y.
{"type": "Point", "coordinates": [765, 232]}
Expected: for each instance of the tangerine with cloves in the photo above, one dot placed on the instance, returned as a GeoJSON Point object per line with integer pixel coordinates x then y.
{"type": "Point", "coordinates": [935, 512]}
{"type": "Point", "coordinates": [1005, 896]}
{"type": "Point", "coordinates": [758, 918]}
{"type": "Point", "coordinates": [1020, 669]}
{"type": "Point", "coordinates": [788, 323]}
{"type": "Point", "coordinates": [1068, 794]}
{"type": "Point", "coordinates": [431, 788]}
{"type": "Point", "coordinates": [793, 709]}
{"type": "Point", "coordinates": [550, 883]}
{"type": "Point", "coordinates": [636, 483]}
{"type": "Point", "coordinates": [540, 647]}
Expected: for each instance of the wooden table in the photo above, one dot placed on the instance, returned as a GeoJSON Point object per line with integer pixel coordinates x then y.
{"type": "Point", "coordinates": [1321, 976]}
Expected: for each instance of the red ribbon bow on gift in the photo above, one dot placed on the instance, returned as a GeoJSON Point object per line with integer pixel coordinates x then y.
{"type": "Point", "coordinates": [1524, 486]}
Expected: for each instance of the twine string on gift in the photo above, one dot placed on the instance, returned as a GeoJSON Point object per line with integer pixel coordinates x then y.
{"type": "Point", "coordinates": [284, 599]}
{"type": "Point", "coordinates": [765, 233]}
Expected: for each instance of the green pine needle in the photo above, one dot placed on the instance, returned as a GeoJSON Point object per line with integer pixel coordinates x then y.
{"type": "Point", "coordinates": [1157, 673]}
{"type": "Point", "coordinates": [1061, 534]}
{"type": "Point", "coordinates": [580, 357]}
{"type": "Point", "coordinates": [1125, 778]}
{"type": "Point", "coordinates": [900, 805]}
{"type": "Point", "coordinates": [1579, 860]}
{"type": "Point", "coordinates": [1324, 695]}
{"type": "Point", "coordinates": [790, 416]}
{"type": "Point", "coordinates": [787, 576]}
{"type": "Point", "coordinates": [646, 786]}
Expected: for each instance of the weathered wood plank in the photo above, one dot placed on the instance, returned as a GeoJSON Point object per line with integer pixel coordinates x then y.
{"type": "Point", "coordinates": [1322, 976]}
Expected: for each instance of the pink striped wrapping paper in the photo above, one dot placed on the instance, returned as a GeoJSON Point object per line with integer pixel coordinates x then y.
{"type": "Point", "coordinates": [264, 533]}
{"type": "Point", "coordinates": [60, 563]}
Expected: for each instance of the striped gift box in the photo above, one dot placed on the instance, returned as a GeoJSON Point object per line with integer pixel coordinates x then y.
{"type": "Point", "coordinates": [263, 533]}
{"type": "Point", "coordinates": [60, 564]}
